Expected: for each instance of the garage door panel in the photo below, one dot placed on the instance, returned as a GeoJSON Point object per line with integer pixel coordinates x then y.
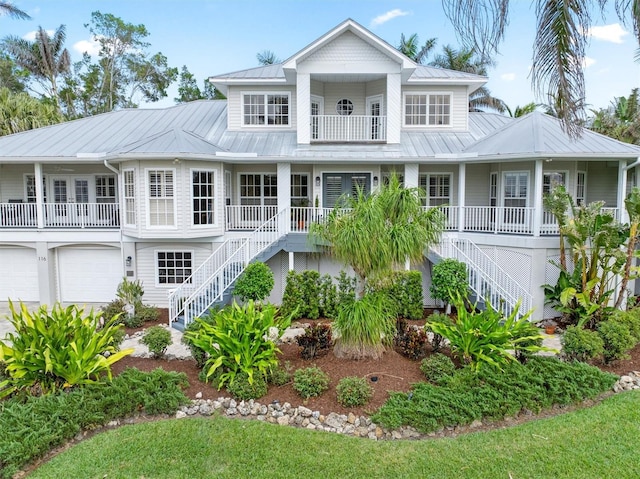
{"type": "Point", "coordinates": [18, 274]}
{"type": "Point", "coordinates": [89, 275]}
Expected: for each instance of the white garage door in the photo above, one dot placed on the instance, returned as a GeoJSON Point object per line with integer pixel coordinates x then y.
{"type": "Point", "coordinates": [18, 274]}
{"type": "Point", "coordinates": [89, 275]}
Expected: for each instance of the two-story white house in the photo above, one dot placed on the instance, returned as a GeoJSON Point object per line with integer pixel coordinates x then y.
{"type": "Point", "coordinates": [183, 198]}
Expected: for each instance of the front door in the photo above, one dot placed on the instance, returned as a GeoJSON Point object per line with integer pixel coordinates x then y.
{"type": "Point", "coordinates": [70, 196]}
{"type": "Point", "coordinates": [338, 184]}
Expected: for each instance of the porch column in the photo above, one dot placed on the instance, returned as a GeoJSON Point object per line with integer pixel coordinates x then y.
{"type": "Point", "coordinates": [291, 261]}
{"type": "Point", "coordinates": [394, 107]}
{"type": "Point", "coordinates": [537, 198]}
{"type": "Point", "coordinates": [462, 190]}
{"type": "Point", "coordinates": [622, 191]}
{"type": "Point", "coordinates": [411, 175]}
{"type": "Point", "coordinates": [39, 195]}
{"type": "Point", "coordinates": [303, 105]}
{"type": "Point", "coordinates": [284, 192]}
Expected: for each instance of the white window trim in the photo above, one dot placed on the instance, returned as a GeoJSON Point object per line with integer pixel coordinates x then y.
{"type": "Point", "coordinates": [156, 268]}
{"type": "Point", "coordinates": [502, 185]}
{"type": "Point", "coordinates": [309, 188]}
{"type": "Point", "coordinates": [215, 197]}
{"type": "Point", "coordinates": [560, 172]}
{"type": "Point", "coordinates": [262, 196]}
{"type": "Point", "coordinates": [584, 192]}
{"type": "Point", "coordinates": [434, 173]}
{"type": "Point", "coordinates": [290, 115]}
{"type": "Point", "coordinates": [115, 186]}
{"type": "Point", "coordinates": [147, 189]}
{"type": "Point", "coordinates": [427, 125]}
{"type": "Point", "coordinates": [125, 197]}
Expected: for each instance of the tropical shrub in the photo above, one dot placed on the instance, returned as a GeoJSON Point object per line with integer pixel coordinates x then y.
{"type": "Point", "coordinates": [436, 366]}
{"type": "Point", "coordinates": [354, 391]}
{"type": "Point", "coordinates": [255, 283]}
{"type": "Point", "coordinates": [309, 295]}
{"type": "Point", "coordinates": [346, 288]}
{"type": "Point", "coordinates": [437, 340]}
{"type": "Point", "coordinates": [114, 308]}
{"type": "Point", "coordinates": [157, 339]}
{"type": "Point", "coordinates": [32, 426]}
{"type": "Point", "coordinates": [581, 344]}
{"type": "Point", "coordinates": [147, 313]}
{"type": "Point", "coordinates": [412, 343]}
{"type": "Point", "coordinates": [531, 342]}
{"type": "Point", "coordinates": [198, 354]}
{"type": "Point", "coordinates": [241, 388]}
{"type": "Point", "coordinates": [130, 292]}
{"type": "Point", "coordinates": [491, 393]}
{"type": "Point", "coordinates": [327, 297]}
{"type": "Point", "coordinates": [280, 375]}
{"type": "Point", "coordinates": [57, 349]}
{"type": "Point", "coordinates": [315, 341]}
{"type": "Point", "coordinates": [363, 328]}
{"type": "Point", "coordinates": [310, 382]}
{"type": "Point", "coordinates": [449, 281]}
{"type": "Point", "coordinates": [486, 337]}
{"type": "Point", "coordinates": [631, 318]}
{"type": "Point", "coordinates": [240, 339]}
{"type": "Point", "coordinates": [404, 289]}
{"type": "Point", "coordinates": [617, 340]}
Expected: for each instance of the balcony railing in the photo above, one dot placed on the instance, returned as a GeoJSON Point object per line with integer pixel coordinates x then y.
{"type": "Point", "coordinates": [352, 128]}
{"type": "Point", "coordinates": [60, 215]}
{"type": "Point", "coordinates": [244, 217]}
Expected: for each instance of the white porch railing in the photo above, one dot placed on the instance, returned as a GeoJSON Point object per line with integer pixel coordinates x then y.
{"type": "Point", "coordinates": [487, 279]}
{"type": "Point", "coordinates": [550, 227]}
{"type": "Point", "coordinates": [82, 215]}
{"type": "Point", "coordinates": [498, 219]}
{"type": "Point", "coordinates": [18, 215]}
{"type": "Point", "coordinates": [244, 217]}
{"type": "Point", "coordinates": [212, 279]}
{"type": "Point", "coordinates": [345, 128]}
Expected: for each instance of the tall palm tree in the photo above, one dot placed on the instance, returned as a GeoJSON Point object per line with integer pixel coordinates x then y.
{"type": "Point", "coordinates": [411, 48]}
{"type": "Point", "coordinates": [558, 49]}
{"type": "Point", "coordinates": [466, 60]}
{"type": "Point", "coordinates": [8, 8]}
{"type": "Point", "coordinates": [21, 111]}
{"type": "Point", "coordinates": [45, 57]}
{"type": "Point", "coordinates": [519, 111]}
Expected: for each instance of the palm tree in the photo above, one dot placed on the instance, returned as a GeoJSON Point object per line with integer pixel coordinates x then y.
{"type": "Point", "coordinates": [621, 120]}
{"type": "Point", "coordinates": [522, 110]}
{"type": "Point", "coordinates": [411, 48]}
{"type": "Point", "coordinates": [558, 49]}
{"type": "Point", "coordinates": [267, 57]}
{"type": "Point", "coordinates": [21, 111]}
{"type": "Point", "coordinates": [466, 60]}
{"type": "Point", "coordinates": [7, 8]}
{"type": "Point", "coordinates": [45, 57]}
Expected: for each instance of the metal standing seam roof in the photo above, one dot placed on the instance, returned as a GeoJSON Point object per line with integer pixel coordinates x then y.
{"type": "Point", "coordinates": [171, 141]}
{"type": "Point", "coordinates": [538, 134]}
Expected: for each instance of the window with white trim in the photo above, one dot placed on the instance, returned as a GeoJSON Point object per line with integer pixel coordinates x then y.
{"type": "Point", "coordinates": [299, 189]}
{"type": "Point", "coordinates": [427, 109]}
{"type": "Point", "coordinates": [515, 189]}
{"type": "Point", "coordinates": [161, 198]}
{"type": "Point", "coordinates": [437, 188]}
{"type": "Point", "coordinates": [173, 267]}
{"type": "Point", "coordinates": [30, 187]}
{"type": "Point", "coordinates": [552, 179]}
{"type": "Point", "coordinates": [344, 107]}
{"type": "Point", "coordinates": [493, 189]}
{"type": "Point", "coordinates": [203, 199]}
{"type": "Point", "coordinates": [581, 187]}
{"type": "Point", "coordinates": [105, 189]}
{"type": "Point", "coordinates": [227, 188]}
{"type": "Point", "coordinates": [270, 109]}
{"type": "Point", "coordinates": [129, 184]}
{"type": "Point", "coordinates": [258, 189]}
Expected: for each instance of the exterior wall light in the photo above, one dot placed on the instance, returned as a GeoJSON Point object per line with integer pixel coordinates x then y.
{"type": "Point", "coordinates": [317, 181]}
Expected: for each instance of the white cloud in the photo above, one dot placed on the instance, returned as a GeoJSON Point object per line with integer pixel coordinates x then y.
{"type": "Point", "coordinates": [390, 15]}
{"type": "Point", "coordinates": [31, 36]}
{"type": "Point", "coordinates": [609, 33]}
{"type": "Point", "coordinates": [587, 62]}
{"type": "Point", "coordinates": [508, 76]}
{"type": "Point", "coordinates": [92, 47]}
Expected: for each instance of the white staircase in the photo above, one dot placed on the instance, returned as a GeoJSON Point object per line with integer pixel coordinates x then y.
{"type": "Point", "coordinates": [487, 279]}
{"type": "Point", "coordinates": [212, 280]}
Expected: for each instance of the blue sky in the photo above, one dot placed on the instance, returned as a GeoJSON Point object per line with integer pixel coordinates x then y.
{"type": "Point", "coordinates": [213, 37]}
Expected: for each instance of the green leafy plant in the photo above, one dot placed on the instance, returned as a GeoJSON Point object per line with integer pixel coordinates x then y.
{"type": "Point", "coordinates": [354, 391]}
{"type": "Point", "coordinates": [436, 366]}
{"type": "Point", "coordinates": [240, 339]}
{"type": "Point", "coordinates": [57, 349]}
{"type": "Point", "coordinates": [581, 344]}
{"type": "Point", "coordinates": [527, 347]}
{"type": "Point", "coordinates": [310, 382]}
{"type": "Point", "coordinates": [412, 343]}
{"type": "Point", "coordinates": [316, 341]}
{"type": "Point", "coordinates": [157, 339]}
{"type": "Point", "coordinates": [631, 318]}
{"type": "Point", "coordinates": [449, 281]}
{"type": "Point", "coordinates": [364, 328]}
{"type": "Point", "coordinates": [617, 340]}
{"type": "Point", "coordinates": [486, 337]}
{"type": "Point", "coordinates": [255, 283]}
{"type": "Point", "coordinates": [328, 297]}
{"type": "Point", "coordinates": [437, 339]}
{"type": "Point", "coordinates": [280, 375]}
{"type": "Point", "coordinates": [241, 388]}
{"type": "Point", "coordinates": [198, 354]}
{"type": "Point", "coordinates": [404, 289]}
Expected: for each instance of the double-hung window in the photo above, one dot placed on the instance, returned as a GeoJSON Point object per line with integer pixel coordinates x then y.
{"type": "Point", "coordinates": [129, 185]}
{"type": "Point", "coordinates": [433, 109]}
{"type": "Point", "coordinates": [270, 109]}
{"type": "Point", "coordinates": [203, 199]}
{"type": "Point", "coordinates": [105, 189]}
{"type": "Point", "coordinates": [161, 198]}
{"type": "Point", "coordinates": [437, 188]}
{"type": "Point", "coordinates": [299, 189]}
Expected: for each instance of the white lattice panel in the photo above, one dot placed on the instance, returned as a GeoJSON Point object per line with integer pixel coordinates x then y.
{"type": "Point", "coordinates": [551, 275]}
{"type": "Point", "coordinates": [300, 262]}
{"type": "Point", "coordinates": [279, 264]}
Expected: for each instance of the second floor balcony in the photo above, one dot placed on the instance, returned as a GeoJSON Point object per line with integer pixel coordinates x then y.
{"type": "Point", "coordinates": [60, 215]}
{"type": "Point", "coordinates": [347, 129]}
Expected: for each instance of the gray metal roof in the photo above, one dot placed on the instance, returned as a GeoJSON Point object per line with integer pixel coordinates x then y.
{"type": "Point", "coordinates": [262, 73]}
{"type": "Point", "coordinates": [538, 134]}
{"type": "Point", "coordinates": [423, 72]}
{"type": "Point", "coordinates": [170, 141]}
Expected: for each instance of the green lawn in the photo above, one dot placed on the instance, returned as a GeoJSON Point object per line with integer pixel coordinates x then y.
{"type": "Point", "coordinates": [599, 442]}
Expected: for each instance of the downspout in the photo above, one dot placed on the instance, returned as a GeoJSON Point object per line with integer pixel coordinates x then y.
{"type": "Point", "coordinates": [117, 172]}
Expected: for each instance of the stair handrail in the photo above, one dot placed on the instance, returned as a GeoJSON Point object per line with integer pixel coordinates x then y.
{"type": "Point", "coordinates": [245, 249]}
{"type": "Point", "coordinates": [497, 278]}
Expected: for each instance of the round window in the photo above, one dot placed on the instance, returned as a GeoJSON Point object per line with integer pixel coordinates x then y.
{"type": "Point", "coordinates": [344, 107]}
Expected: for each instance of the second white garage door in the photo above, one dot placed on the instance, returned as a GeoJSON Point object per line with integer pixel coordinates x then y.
{"type": "Point", "coordinates": [89, 275]}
